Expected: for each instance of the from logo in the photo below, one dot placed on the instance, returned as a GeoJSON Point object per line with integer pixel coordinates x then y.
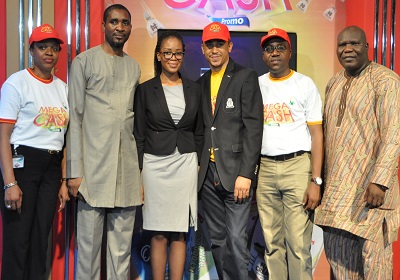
{"type": "Point", "coordinates": [232, 21]}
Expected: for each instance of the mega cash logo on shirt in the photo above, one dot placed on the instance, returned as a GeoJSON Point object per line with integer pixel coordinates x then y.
{"type": "Point", "coordinates": [52, 118]}
{"type": "Point", "coordinates": [278, 113]}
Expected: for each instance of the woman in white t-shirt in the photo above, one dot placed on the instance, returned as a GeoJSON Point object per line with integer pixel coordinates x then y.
{"type": "Point", "coordinates": [33, 121]}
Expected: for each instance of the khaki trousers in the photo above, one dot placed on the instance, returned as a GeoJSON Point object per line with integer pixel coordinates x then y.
{"type": "Point", "coordinates": [286, 226]}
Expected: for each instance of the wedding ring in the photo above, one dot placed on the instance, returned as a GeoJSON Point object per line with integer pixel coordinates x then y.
{"type": "Point", "coordinates": [8, 206]}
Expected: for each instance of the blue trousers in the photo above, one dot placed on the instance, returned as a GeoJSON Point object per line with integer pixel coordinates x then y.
{"type": "Point", "coordinates": [226, 223]}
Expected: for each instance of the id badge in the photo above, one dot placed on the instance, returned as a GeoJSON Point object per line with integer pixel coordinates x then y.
{"type": "Point", "coordinates": [18, 161]}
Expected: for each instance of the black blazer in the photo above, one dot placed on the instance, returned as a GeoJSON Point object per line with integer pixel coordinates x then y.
{"type": "Point", "coordinates": [236, 129]}
{"type": "Point", "coordinates": [154, 130]}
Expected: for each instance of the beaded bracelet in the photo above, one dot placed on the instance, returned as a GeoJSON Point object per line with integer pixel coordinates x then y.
{"type": "Point", "coordinates": [10, 185]}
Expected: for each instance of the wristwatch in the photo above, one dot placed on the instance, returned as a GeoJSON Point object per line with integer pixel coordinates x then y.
{"type": "Point", "coordinates": [317, 181]}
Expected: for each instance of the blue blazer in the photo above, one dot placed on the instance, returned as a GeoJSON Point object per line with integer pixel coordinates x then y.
{"type": "Point", "coordinates": [154, 129]}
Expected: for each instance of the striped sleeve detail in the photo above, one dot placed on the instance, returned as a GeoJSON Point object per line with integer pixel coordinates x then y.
{"type": "Point", "coordinates": [314, 123]}
{"type": "Point", "coordinates": [7, 121]}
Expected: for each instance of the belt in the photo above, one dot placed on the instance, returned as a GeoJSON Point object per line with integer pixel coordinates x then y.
{"type": "Point", "coordinates": [286, 156]}
{"type": "Point", "coordinates": [52, 152]}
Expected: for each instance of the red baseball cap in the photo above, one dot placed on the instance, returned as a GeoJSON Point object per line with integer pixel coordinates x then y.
{"type": "Point", "coordinates": [44, 32]}
{"type": "Point", "coordinates": [275, 33]}
{"type": "Point", "coordinates": [216, 30]}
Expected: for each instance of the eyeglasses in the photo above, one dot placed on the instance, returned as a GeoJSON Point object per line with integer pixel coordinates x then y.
{"type": "Point", "coordinates": [169, 55]}
{"type": "Point", "coordinates": [215, 44]}
{"type": "Point", "coordinates": [278, 48]}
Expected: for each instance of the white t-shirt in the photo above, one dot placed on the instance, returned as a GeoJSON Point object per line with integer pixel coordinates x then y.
{"type": "Point", "coordinates": [37, 107]}
{"type": "Point", "coordinates": [290, 104]}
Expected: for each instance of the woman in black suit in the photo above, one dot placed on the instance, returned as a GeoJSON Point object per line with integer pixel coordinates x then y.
{"type": "Point", "coordinates": [168, 132]}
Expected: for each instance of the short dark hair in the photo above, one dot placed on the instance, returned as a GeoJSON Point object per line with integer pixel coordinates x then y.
{"type": "Point", "coordinates": [115, 7]}
{"type": "Point", "coordinates": [161, 37]}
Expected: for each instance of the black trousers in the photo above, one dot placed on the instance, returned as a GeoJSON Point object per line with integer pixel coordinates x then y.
{"type": "Point", "coordinates": [226, 222]}
{"type": "Point", "coordinates": [25, 235]}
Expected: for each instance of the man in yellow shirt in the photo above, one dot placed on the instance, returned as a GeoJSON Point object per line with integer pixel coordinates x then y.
{"type": "Point", "coordinates": [233, 120]}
